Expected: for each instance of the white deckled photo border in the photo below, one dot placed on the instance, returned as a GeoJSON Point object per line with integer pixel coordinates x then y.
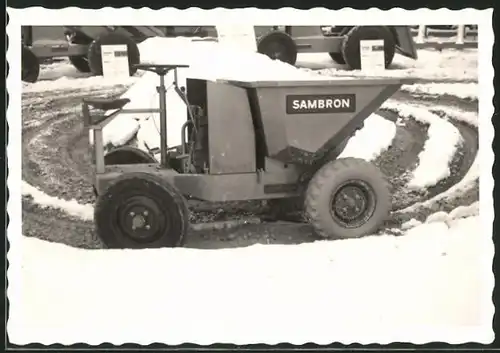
{"type": "Point", "coordinates": [253, 16]}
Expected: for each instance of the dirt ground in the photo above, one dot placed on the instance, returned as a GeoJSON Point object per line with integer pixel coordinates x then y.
{"type": "Point", "coordinates": [56, 160]}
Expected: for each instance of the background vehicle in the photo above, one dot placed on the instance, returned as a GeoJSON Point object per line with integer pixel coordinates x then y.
{"type": "Point", "coordinates": [81, 44]}
{"type": "Point", "coordinates": [341, 42]}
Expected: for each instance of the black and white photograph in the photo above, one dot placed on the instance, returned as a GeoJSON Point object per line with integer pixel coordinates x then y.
{"type": "Point", "coordinates": [249, 176]}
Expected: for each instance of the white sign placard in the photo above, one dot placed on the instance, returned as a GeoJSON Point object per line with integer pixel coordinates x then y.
{"type": "Point", "coordinates": [115, 61]}
{"type": "Point", "coordinates": [372, 55]}
{"type": "Point", "coordinates": [237, 36]}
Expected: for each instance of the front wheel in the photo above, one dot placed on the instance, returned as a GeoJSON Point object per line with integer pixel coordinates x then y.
{"type": "Point", "coordinates": [141, 210]}
{"type": "Point", "coordinates": [347, 198]}
{"type": "Point", "coordinates": [278, 45]}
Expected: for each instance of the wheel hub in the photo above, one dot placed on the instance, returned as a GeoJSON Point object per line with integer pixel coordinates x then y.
{"type": "Point", "coordinates": [276, 51]}
{"type": "Point", "coordinates": [140, 219]}
{"type": "Point", "coordinates": [352, 204]}
{"type": "Point", "coordinates": [139, 222]}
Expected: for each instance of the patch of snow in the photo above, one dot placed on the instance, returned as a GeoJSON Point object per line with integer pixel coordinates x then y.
{"type": "Point", "coordinates": [118, 132]}
{"type": "Point", "coordinates": [148, 135]}
{"type": "Point", "coordinates": [450, 218]}
{"type": "Point", "coordinates": [470, 118]}
{"type": "Point", "coordinates": [449, 64]}
{"type": "Point", "coordinates": [65, 83]}
{"type": "Point", "coordinates": [437, 217]}
{"type": "Point", "coordinates": [454, 113]}
{"type": "Point", "coordinates": [459, 90]}
{"type": "Point", "coordinates": [368, 145]}
{"type": "Point", "coordinates": [316, 61]}
{"type": "Point", "coordinates": [439, 148]}
{"type": "Point", "coordinates": [58, 69]}
{"type": "Point", "coordinates": [467, 182]}
{"type": "Point", "coordinates": [212, 60]}
{"type": "Point", "coordinates": [72, 207]}
{"type": "Point", "coordinates": [143, 95]}
{"type": "Point", "coordinates": [66, 295]}
{"type": "Point", "coordinates": [465, 211]}
{"type": "Point", "coordinates": [410, 224]}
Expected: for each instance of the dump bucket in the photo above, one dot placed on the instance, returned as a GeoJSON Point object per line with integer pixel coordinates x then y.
{"type": "Point", "coordinates": [300, 118]}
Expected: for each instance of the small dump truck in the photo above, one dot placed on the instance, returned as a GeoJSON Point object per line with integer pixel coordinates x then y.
{"type": "Point", "coordinates": [342, 43]}
{"type": "Point", "coordinates": [266, 140]}
{"type": "Point", "coordinates": [81, 44]}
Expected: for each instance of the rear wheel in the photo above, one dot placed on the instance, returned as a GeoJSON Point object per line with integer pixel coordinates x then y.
{"type": "Point", "coordinates": [80, 63]}
{"type": "Point", "coordinates": [30, 68]}
{"type": "Point", "coordinates": [337, 57]}
{"type": "Point", "coordinates": [141, 210]}
{"type": "Point", "coordinates": [347, 198]}
{"type": "Point", "coordinates": [95, 51]}
{"type": "Point", "coordinates": [351, 44]}
{"type": "Point", "coordinates": [292, 209]}
{"type": "Point", "coordinates": [278, 46]}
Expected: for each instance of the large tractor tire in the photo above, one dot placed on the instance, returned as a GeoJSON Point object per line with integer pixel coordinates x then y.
{"type": "Point", "coordinates": [347, 198]}
{"type": "Point", "coordinates": [30, 66]}
{"type": "Point", "coordinates": [337, 57]}
{"type": "Point", "coordinates": [110, 38]}
{"type": "Point", "coordinates": [141, 210]}
{"type": "Point", "coordinates": [278, 46]}
{"type": "Point", "coordinates": [80, 63]}
{"type": "Point", "coordinates": [351, 43]}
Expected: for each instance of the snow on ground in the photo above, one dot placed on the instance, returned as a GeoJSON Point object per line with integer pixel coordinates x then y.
{"type": "Point", "coordinates": [439, 149]}
{"type": "Point", "coordinates": [467, 182]}
{"type": "Point", "coordinates": [470, 118]}
{"type": "Point", "coordinates": [460, 90]}
{"type": "Point", "coordinates": [472, 175]}
{"type": "Point", "coordinates": [69, 83]}
{"type": "Point", "coordinates": [58, 69]}
{"type": "Point", "coordinates": [72, 207]}
{"type": "Point", "coordinates": [459, 212]}
{"type": "Point", "coordinates": [425, 286]}
{"type": "Point", "coordinates": [367, 145]}
{"type": "Point", "coordinates": [431, 64]}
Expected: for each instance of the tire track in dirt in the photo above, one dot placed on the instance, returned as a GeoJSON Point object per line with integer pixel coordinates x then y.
{"type": "Point", "coordinates": [46, 163]}
{"type": "Point", "coordinates": [62, 131]}
{"type": "Point", "coordinates": [398, 161]}
{"type": "Point", "coordinates": [430, 100]}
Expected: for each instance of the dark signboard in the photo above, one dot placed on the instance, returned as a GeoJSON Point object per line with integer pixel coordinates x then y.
{"type": "Point", "coordinates": [320, 103]}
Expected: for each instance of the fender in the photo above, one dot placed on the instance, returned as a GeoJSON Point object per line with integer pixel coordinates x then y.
{"type": "Point", "coordinates": [128, 155]}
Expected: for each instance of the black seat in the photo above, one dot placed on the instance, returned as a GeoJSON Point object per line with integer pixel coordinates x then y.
{"type": "Point", "coordinates": [159, 69]}
{"type": "Point", "coordinates": [105, 103]}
